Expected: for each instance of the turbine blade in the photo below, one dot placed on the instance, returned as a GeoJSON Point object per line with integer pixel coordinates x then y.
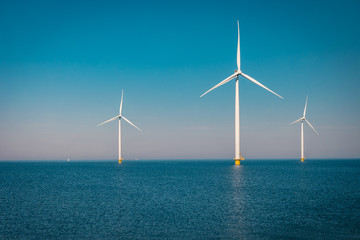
{"type": "Point", "coordinates": [311, 126]}
{"type": "Point", "coordinates": [305, 106]}
{"type": "Point", "coordinates": [221, 83]}
{"type": "Point", "coordinates": [109, 120]}
{"type": "Point", "coordinates": [122, 95]}
{"type": "Point", "coordinates": [238, 48]}
{"type": "Point", "coordinates": [295, 121]}
{"type": "Point", "coordinates": [261, 85]}
{"type": "Point", "coordinates": [131, 123]}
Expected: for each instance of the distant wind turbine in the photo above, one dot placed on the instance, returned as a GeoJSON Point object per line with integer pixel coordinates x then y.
{"type": "Point", "coordinates": [302, 119]}
{"type": "Point", "coordinates": [120, 117]}
{"type": "Point", "coordinates": [236, 75]}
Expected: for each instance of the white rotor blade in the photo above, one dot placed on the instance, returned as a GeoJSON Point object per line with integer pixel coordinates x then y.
{"type": "Point", "coordinates": [305, 107]}
{"type": "Point", "coordinates": [122, 95]}
{"type": "Point", "coordinates": [109, 120]}
{"type": "Point", "coordinates": [130, 123]}
{"type": "Point", "coordinates": [261, 85]}
{"type": "Point", "coordinates": [295, 121]}
{"type": "Point", "coordinates": [238, 48]}
{"type": "Point", "coordinates": [221, 83]}
{"type": "Point", "coordinates": [311, 126]}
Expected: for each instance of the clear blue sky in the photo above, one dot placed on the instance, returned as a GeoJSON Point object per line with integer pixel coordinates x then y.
{"type": "Point", "coordinates": [63, 66]}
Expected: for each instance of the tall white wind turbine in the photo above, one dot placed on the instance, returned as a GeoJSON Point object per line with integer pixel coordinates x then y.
{"type": "Point", "coordinates": [302, 119]}
{"type": "Point", "coordinates": [236, 75]}
{"type": "Point", "coordinates": [120, 117]}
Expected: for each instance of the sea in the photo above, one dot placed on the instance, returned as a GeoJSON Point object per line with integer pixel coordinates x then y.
{"type": "Point", "coordinates": [180, 199]}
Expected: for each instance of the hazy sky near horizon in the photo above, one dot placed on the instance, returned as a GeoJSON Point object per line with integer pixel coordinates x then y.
{"type": "Point", "coordinates": [63, 65]}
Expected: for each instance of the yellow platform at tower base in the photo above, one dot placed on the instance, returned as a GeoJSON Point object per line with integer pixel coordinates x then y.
{"type": "Point", "coordinates": [302, 159]}
{"type": "Point", "coordinates": [120, 160]}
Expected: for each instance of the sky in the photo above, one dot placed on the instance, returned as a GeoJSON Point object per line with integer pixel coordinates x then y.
{"type": "Point", "coordinates": [63, 65]}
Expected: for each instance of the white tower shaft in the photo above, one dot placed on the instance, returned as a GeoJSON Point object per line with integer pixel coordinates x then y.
{"type": "Point", "coordinates": [302, 141]}
{"type": "Point", "coordinates": [237, 123]}
{"type": "Point", "coordinates": [120, 158]}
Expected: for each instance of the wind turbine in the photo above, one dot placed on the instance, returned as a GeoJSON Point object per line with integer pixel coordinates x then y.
{"type": "Point", "coordinates": [236, 75]}
{"type": "Point", "coordinates": [120, 117]}
{"type": "Point", "coordinates": [302, 119]}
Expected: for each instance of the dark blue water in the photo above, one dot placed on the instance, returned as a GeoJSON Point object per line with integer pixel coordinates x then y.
{"type": "Point", "coordinates": [180, 200]}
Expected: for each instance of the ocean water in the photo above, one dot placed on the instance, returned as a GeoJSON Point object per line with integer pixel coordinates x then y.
{"type": "Point", "coordinates": [180, 200]}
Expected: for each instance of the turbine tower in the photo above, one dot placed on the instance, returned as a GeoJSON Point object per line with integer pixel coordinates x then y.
{"type": "Point", "coordinates": [236, 75]}
{"type": "Point", "coordinates": [301, 120]}
{"type": "Point", "coordinates": [120, 117]}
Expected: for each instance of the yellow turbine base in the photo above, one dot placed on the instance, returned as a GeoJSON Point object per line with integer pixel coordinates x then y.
{"type": "Point", "coordinates": [237, 160]}
{"type": "Point", "coordinates": [120, 160]}
{"type": "Point", "coordinates": [302, 159]}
